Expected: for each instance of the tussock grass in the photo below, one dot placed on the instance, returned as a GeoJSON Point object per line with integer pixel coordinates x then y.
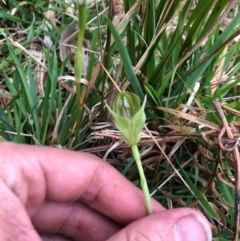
{"type": "Point", "coordinates": [182, 54]}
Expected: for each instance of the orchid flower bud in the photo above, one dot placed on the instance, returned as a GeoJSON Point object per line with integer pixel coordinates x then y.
{"type": "Point", "coordinates": [83, 2]}
{"type": "Point", "coordinates": [129, 116]}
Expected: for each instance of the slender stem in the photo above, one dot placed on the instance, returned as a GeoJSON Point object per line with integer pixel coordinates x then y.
{"type": "Point", "coordinates": [78, 66]}
{"type": "Point", "coordinates": [106, 57]}
{"type": "Point", "coordinates": [143, 181]}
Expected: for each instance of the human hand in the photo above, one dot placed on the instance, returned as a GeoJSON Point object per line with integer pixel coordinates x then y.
{"type": "Point", "coordinates": [58, 195]}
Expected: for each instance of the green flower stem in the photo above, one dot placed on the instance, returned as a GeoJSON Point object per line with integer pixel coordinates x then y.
{"type": "Point", "coordinates": [82, 20]}
{"type": "Point", "coordinates": [143, 181]}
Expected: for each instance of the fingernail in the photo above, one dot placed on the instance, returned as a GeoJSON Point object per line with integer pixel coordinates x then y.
{"type": "Point", "coordinates": [192, 227]}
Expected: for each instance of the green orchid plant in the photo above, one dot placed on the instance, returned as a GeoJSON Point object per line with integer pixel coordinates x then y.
{"type": "Point", "coordinates": [129, 118]}
{"type": "Point", "coordinates": [82, 20]}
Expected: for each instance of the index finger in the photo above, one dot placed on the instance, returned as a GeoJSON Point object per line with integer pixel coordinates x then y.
{"type": "Point", "coordinates": [62, 175]}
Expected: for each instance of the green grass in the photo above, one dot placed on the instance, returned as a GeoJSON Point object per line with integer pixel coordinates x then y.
{"type": "Point", "coordinates": [162, 49]}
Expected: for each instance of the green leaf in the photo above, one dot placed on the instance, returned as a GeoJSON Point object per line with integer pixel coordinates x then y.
{"type": "Point", "coordinates": [126, 61]}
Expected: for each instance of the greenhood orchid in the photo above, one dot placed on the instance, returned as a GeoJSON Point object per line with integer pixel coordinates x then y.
{"type": "Point", "coordinates": [129, 116]}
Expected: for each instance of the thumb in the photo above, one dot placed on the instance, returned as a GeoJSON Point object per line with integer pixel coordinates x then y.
{"type": "Point", "coordinates": [181, 224]}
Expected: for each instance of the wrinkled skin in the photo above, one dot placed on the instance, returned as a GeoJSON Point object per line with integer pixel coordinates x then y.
{"type": "Point", "coordinates": [58, 195]}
